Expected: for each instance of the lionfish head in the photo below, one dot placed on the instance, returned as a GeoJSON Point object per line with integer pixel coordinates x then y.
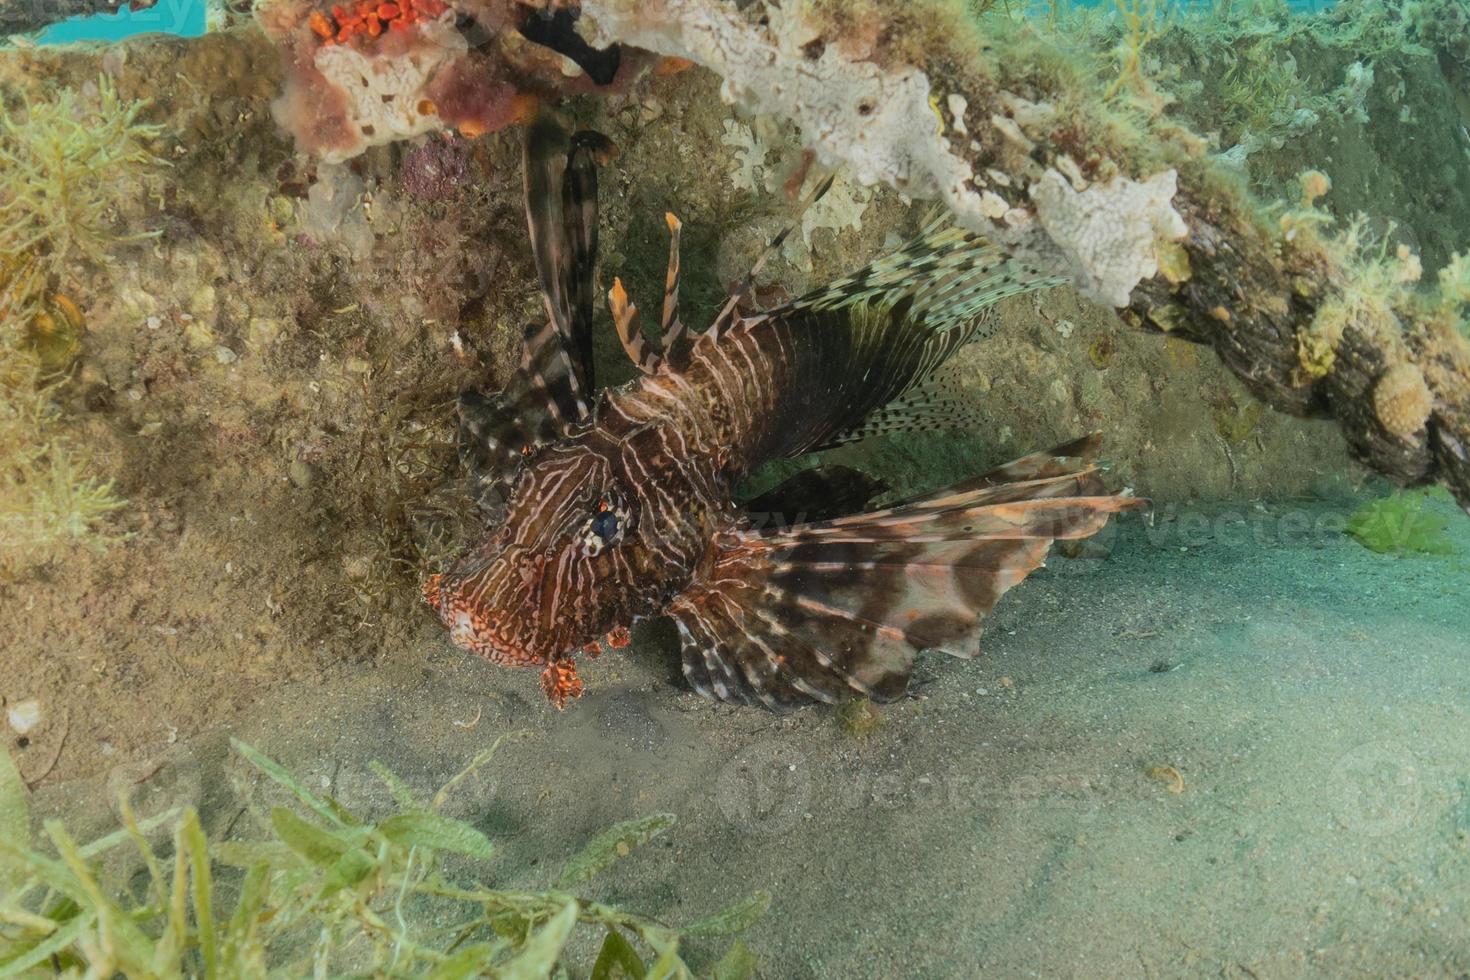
{"type": "Point", "coordinates": [555, 576]}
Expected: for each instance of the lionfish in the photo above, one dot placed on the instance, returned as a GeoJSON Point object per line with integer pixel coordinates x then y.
{"type": "Point", "coordinates": [606, 511]}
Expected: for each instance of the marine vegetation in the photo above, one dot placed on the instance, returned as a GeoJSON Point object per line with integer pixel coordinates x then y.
{"type": "Point", "coordinates": [64, 163]}
{"type": "Point", "coordinates": [329, 893]}
{"type": "Point", "coordinates": [1401, 524]}
{"type": "Point", "coordinates": [62, 166]}
{"type": "Point", "coordinates": [601, 514]}
{"type": "Point", "coordinates": [1126, 200]}
{"type": "Point", "coordinates": [49, 497]}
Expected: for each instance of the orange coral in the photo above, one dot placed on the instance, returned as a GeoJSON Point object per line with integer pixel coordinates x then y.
{"type": "Point", "coordinates": [371, 17]}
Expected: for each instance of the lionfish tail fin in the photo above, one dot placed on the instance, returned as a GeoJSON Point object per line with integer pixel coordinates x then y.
{"type": "Point", "coordinates": [840, 608]}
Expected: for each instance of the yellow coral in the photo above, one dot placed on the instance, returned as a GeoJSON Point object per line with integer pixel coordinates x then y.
{"type": "Point", "coordinates": [1316, 347]}
{"type": "Point", "coordinates": [1314, 184]}
{"type": "Point", "coordinates": [1173, 262]}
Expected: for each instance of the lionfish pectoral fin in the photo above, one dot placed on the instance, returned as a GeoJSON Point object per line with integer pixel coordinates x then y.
{"type": "Point", "coordinates": [818, 493]}
{"type": "Point", "coordinates": [931, 405]}
{"type": "Point", "coordinates": [829, 610]}
{"type": "Point", "coordinates": [877, 337]}
{"type": "Point", "coordinates": [560, 683]}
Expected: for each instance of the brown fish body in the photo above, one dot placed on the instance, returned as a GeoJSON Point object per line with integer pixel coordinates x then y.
{"type": "Point", "coordinates": [661, 454]}
{"type": "Point", "coordinates": [624, 509]}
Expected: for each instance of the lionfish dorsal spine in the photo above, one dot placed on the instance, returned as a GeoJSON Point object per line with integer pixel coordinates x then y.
{"type": "Point", "coordinates": [728, 311]}
{"type": "Point", "coordinates": [551, 387]}
{"type": "Point", "coordinates": [625, 321]}
{"type": "Point", "coordinates": [674, 335]}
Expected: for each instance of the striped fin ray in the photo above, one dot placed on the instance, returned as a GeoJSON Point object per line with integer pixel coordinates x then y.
{"type": "Point", "coordinates": [927, 407]}
{"type": "Point", "coordinates": [870, 341]}
{"type": "Point", "coordinates": [561, 213]}
{"type": "Point", "coordinates": [496, 431]}
{"type": "Point", "coordinates": [579, 224]}
{"type": "Point", "coordinates": [840, 608]}
{"type": "Point", "coordinates": [625, 321]}
{"type": "Point", "coordinates": [675, 338]}
{"type": "Point", "coordinates": [727, 312]}
{"type": "Point", "coordinates": [946, 274]}
{"type": "Point", "coordinates": [550, 389]}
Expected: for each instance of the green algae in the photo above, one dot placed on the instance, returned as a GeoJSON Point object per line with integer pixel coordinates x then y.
{"type": "Point", "coordinates": [63, 164]}
{"type": "Point", "coordinates": [1400, 524]}
{"type": "Point", "coordinates": [330, 893]}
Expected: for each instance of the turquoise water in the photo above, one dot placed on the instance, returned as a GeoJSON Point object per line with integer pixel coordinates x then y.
{"type": "Point", "coordinates": [185, 18]}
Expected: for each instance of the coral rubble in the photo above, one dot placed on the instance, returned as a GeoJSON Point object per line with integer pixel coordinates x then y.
{"type": "Point", "coordinates": [1032, 150]}
{"type": "Point", "coordinates": [381, 72]}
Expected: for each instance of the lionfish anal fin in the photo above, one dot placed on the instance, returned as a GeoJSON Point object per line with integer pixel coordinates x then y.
{"type": "Point", "coordinates": [840, 608]}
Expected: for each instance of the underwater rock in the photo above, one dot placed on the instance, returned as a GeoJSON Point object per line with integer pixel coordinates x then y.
{"type": "Point", "coordinates": [879, 120]}
{"type": "Point", "coordinates": [871, 118]}
{"type": "Point", "coordinates": [435, 170]}
{"type": "Point", "coordinates": [333, 211]}
{"type": "Point", "coordinates": [24, 716]}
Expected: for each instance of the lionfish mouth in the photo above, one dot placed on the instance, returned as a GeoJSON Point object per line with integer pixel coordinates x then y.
{"type": "Point", "coordinates": [472, 630]}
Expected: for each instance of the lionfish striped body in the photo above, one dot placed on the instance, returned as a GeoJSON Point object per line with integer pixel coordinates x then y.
{"type": "Point", "coordinates": [625, 509]}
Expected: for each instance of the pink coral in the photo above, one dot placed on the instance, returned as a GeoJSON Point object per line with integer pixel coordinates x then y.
{"type": "Point", "coordinates": [363, 73]}
{"type": "Point", "coordinates": [435, 170]}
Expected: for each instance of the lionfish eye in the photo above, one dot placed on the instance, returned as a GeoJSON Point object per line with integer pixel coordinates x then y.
{"type": "Point", "coordinates": [604, 530]}
{"type": "Point", "coordinates": [605, 525]}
